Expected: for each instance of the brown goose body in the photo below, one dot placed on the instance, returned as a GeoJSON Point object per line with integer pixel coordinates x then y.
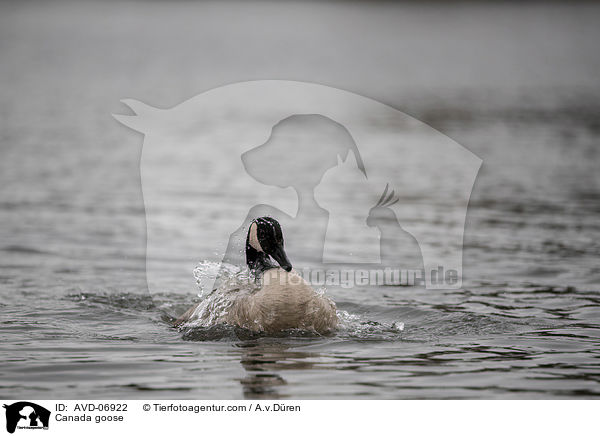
{"type": "Point", "coordinates": [285, 301]}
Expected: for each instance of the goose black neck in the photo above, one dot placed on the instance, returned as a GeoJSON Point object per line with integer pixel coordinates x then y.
{"type": "Point", "coordinates": [257, 261]}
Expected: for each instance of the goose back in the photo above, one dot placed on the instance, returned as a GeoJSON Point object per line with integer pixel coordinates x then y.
{"type": "Point", "coordinates": [285, 301]}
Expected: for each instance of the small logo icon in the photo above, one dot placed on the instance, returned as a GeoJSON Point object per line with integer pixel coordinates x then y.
{"type": "Point", "coordinates": [26, 415]}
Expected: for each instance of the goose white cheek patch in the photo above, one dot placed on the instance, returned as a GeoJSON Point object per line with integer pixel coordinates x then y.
{"type": "Point", "coordinates": [254, 238]}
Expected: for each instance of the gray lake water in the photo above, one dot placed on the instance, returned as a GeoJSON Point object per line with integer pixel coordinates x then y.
{"type": "Point", "coordinates": [516, 84]}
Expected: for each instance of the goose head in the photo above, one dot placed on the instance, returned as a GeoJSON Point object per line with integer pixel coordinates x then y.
{"type": "Point", "coordinates": [265, 241]}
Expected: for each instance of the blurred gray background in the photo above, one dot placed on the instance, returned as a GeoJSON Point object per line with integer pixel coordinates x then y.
{"type": "Point", "coordinates": [69, 173]}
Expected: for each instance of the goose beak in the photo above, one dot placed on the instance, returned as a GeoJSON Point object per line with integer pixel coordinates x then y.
{"type": "Point", "coordinates": [281, 258]}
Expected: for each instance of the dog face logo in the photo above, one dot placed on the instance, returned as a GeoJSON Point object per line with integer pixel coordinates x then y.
{"type": "Point", "coordinates": [24, 414]}
{"type": "Point", "coordinates": [354, 183]}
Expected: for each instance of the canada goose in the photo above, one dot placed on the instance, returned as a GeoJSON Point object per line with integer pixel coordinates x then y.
{"type": "Point", "coordinates": [285, 300]}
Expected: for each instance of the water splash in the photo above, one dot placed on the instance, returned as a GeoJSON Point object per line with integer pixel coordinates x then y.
{"type": "Point", "coordinates": [223, 271]}
{"type": "Point", "coordinates": [205, 322]}
{"type": "Point", "coordinates": [357, 327]}
{"type": "Point", "coordinates": [232, 282]}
